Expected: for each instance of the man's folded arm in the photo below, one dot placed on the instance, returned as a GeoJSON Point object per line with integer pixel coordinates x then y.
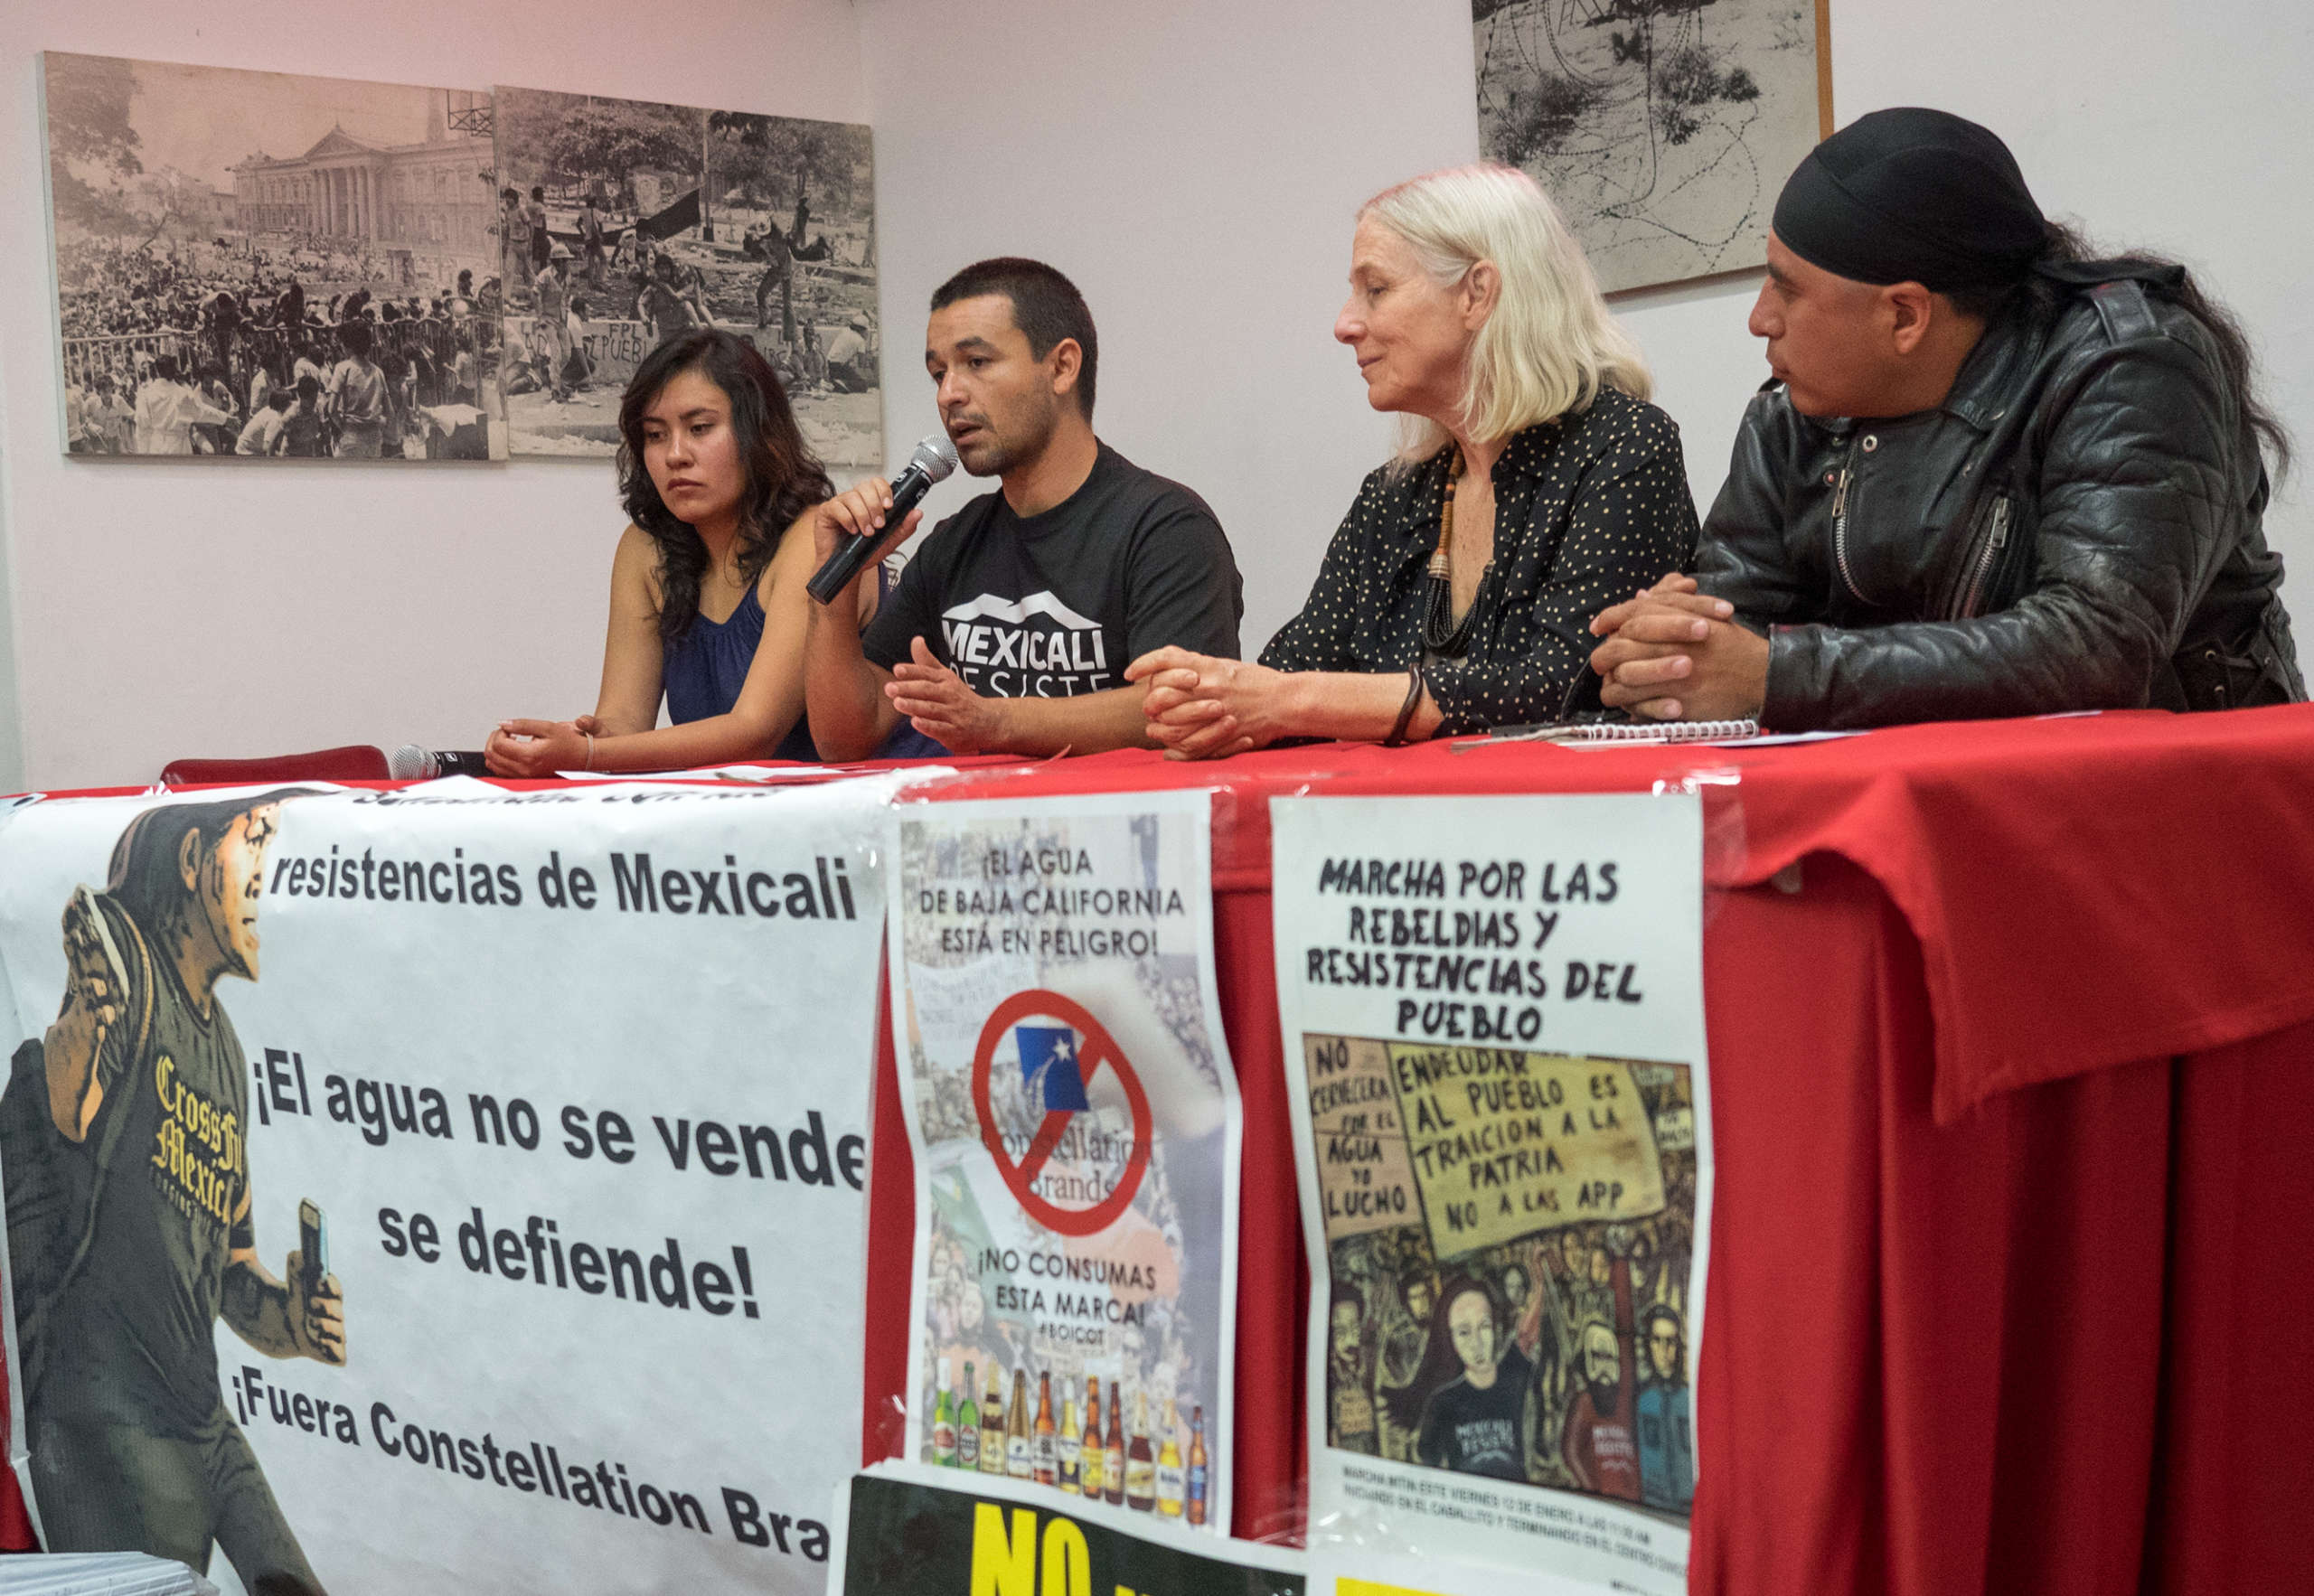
{"type": "Point", "coordinates": [1090, 723]}
{"type": "Point", "coordinates": [1740, 555]}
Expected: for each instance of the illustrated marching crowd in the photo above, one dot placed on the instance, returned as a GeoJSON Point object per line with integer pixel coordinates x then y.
{"type": "Point", "coordinates": [1558, 1361]}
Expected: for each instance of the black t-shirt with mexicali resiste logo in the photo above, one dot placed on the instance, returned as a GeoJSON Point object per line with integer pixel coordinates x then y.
{"type": "Point", "coordinates": [1479, 1432]}
{"type": "Point", "coordinates": [132, 1339]}
{"type": "Point", "coordinates": [1056, 605]}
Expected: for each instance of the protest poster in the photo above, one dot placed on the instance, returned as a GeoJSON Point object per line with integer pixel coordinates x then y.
{"type": "Point", "coordinates": [444, 1189]}
{"type": "Point", "coordinates": [1493, 1013]}
{"type": "Point", "coordinates": [1075, 1122]}
{"type": "Point", "coordinates": [910, 1529]}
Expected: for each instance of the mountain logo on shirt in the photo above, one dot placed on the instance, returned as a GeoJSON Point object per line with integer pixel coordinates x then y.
{"type": "Point", "coordinates": [1032, 647]}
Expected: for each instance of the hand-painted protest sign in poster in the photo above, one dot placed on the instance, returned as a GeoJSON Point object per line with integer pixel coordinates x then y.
{"type": "Point", "coordinates": [443, 1188]}
{"type": "Point", "coordinates": [1074, 1117]}
{"type": "Point", "coordinates": [1494, 1023]}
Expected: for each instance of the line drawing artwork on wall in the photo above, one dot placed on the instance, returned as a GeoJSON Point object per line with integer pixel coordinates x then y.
{"type": "Point", "coordinates": [257, 265]}
{"type": "Point", "coordinates": [619, 223]}
{"type": "Point", "coordinates": [1664, 128]}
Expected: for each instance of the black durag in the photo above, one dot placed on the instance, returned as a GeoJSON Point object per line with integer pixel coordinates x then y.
{"type": "Point", "coordinates": [1915, 195]}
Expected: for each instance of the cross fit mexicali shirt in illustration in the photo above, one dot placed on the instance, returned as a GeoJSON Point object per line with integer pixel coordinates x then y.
{"type": "Point", "coordinates": [133, 1333]}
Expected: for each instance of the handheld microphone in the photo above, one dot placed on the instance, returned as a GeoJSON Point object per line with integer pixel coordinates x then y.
{"type": "Point", "coordinates": [933, 461]}
{"type": "Point", "coordinates": [411, 762]}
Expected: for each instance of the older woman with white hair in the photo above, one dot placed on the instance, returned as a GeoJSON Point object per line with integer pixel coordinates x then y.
{"type": "Point", "coordinates": [1534, 486]}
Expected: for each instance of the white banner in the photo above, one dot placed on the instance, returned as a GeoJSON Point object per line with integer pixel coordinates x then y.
{"type": "Point", "coordinates": [1494, 1023]}
{"type": "Point", "coordinates": [1075, 1121]}
{"type": "Point", "coordinates": [572, 1089]}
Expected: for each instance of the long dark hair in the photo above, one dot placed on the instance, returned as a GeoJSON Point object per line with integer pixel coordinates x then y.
{"type": "Point", "coordinates": [1442, 1365]}
{"type": "Point", "coordinates": [2041, 296]}
{"type": "Point", "coordinates": [783, 477]}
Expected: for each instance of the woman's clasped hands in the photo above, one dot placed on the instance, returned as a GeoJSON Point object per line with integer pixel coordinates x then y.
{"type": "Point", "coordinates": [1199, 707]}
{"type": "Point", "coordinates": [540, 750]}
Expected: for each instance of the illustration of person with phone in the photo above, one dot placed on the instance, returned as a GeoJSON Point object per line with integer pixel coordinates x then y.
{"type": "Point", "coordinates": [129, 1218]}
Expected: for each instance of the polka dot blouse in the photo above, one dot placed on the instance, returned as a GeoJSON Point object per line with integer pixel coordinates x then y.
{"type": "Point", "coordinates": [1588, 509]}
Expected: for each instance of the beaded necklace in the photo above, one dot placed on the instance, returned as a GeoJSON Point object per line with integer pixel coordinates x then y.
{"type": "Point", "coordinates": [1441, 633]}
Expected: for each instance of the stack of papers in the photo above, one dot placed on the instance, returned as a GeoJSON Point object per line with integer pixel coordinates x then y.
{"type": "Point", "coordinates": [99, 1574]}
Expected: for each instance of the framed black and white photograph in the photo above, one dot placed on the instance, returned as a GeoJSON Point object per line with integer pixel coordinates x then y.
{"type": "Point", "coordinates": [263, 265]}
{"type": "Point", "coordinates": [620, 223]}
{"type": "Point", "coordinates": [1664, 128]}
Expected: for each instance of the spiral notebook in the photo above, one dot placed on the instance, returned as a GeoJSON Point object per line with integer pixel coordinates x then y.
{"type": "Point", "coordinates": [1577, 732]}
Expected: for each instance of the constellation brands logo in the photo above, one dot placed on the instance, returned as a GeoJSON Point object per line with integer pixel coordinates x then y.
{"type": "Point", "coordinates": [1061, 1048]}
{"type": "Point", "coordinates": [1050, 1067]}
{"type": "Point", "coordinates": [1032, 647]}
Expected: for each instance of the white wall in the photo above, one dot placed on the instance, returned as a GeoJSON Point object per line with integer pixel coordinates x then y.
{"type": "Point", "coordinates": [1194, 164]}
{"type": "Point", "coordinates": [197, 607]}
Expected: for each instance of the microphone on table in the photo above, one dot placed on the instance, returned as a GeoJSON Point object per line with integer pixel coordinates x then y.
{"type": "Point", "coordinates": [934, 460]}
{"type": "Point", "coordinates": [411, 762]}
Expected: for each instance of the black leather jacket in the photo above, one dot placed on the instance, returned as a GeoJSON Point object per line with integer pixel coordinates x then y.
{"type": "Point", "coordinates": [2076, 527]}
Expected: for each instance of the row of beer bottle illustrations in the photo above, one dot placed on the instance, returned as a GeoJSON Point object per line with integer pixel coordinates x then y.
{"type": "Point", "coordinates": [1072, 1453]}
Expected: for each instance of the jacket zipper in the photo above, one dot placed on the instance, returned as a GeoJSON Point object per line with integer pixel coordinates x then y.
{"type": "Point", "coordinates": [1839, 532]}
{"type": "Point", "coordinates": [1993, 546]}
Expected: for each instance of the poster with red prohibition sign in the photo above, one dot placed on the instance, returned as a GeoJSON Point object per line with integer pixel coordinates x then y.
{"type": "Point", "coordinates": [1074, 1118]}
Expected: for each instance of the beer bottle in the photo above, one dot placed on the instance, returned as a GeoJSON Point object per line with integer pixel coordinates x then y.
{"type": "Point", "coordinates": [1170, 1486]}
{"type": "Point", "coordinates": [1113, 1455]}
{"type": "Point", "coordinates": [968, 1427]}
{"type": "Point", "coordinates": [1072, 1444]}
{"type": "Point", "coordinates": [1019, 1458]}
{"type": "Point", "coordinates": [1046, 1455]}
{"type": "Point", "coordinates": [992, 1425]}
{"type": "Point", "coordinates": [1091, 1482]}
{"type": "Point", "coordinates": [944, 1424]}
{"type": "Point", "coordinates": [1201, 1471]}
{"type": "Point", "coordinates": [1140, 1463]}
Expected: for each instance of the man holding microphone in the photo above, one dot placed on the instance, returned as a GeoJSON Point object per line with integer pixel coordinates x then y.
{"type": "Point", "coordinates": [1010, 630]}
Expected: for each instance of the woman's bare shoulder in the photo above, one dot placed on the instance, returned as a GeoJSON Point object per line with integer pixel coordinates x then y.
{"type": "Point", "coordinates": [799, 531]}
{"type": "Point", "coordinates": [793, 550]}
{"type": "Point", "coordinates": [634, 567]}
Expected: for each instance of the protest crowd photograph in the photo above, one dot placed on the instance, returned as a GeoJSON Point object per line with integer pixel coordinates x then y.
{"type": "Point", "coordinates": [257, 264]}
{"type": "Point", "coordinates": [620, 223]}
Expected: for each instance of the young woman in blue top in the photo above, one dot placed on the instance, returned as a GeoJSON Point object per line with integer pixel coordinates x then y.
{"type": "Point", "coordinates": [707, 587]}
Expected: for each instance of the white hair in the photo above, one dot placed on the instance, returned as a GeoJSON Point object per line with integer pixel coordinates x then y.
{"type": "Point", "coordinates": [1550, 343]}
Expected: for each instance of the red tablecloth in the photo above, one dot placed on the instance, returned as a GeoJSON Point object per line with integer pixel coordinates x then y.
{"type": "Point", "coordinates": [2005, 1295]}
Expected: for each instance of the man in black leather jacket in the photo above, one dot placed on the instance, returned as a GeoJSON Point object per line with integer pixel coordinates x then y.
{"type": "Point", "coordinates": [1988, 478]}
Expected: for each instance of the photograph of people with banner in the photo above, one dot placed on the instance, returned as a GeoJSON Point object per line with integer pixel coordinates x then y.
{"type": "Point", "coordinates": [1075, 1119]}
{"type": "Point", "coordinates": [257, 265]}
{"type": "Point", "coordinates": [623, 223]}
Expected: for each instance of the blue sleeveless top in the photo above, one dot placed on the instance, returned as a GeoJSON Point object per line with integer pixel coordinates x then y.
{"type": "Point", "coordinates": [704, 669]}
